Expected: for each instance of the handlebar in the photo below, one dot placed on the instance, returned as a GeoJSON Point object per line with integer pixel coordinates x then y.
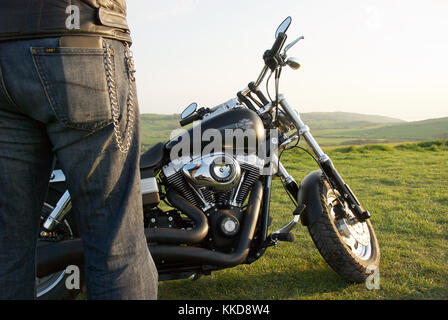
{"type": "Point", "coordinates": [197, 116]}
{"type": "Point", "coordinates": [258, 93]}
{"type": "Point", "coordinates": [271, 54]}
{"type": "Point", "coordinates": [190, 119]}
{"type": "Point", "coordinates": [278, 44]}
{"type": "Point", "coordinates": [272, 59]}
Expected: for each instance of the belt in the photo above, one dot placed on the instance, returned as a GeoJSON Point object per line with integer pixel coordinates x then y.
{"type": "Point", "coordinates": [20, 19]}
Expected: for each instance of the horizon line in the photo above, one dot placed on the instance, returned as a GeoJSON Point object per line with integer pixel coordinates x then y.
{"type": "Point", "coordinates": [367, 114]}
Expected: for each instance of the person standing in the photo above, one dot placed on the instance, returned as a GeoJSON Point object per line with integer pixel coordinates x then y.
{"type": "Point", "coordinates": [67, 90]}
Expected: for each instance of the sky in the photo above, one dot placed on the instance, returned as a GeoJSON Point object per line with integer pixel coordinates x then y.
{"type": "Point", "coordinates": [382, 57]}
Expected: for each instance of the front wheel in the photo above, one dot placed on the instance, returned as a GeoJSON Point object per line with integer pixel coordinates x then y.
{"type": "Point", "coordinates": [349, 246]}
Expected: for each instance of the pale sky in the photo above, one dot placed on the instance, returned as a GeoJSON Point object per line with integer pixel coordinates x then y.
{"type": "Point", "coordinates": [385, 57]}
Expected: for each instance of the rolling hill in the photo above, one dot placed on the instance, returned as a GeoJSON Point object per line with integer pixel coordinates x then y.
{"type": "Point", "coordinates": [380, 133]}
{"type": "Point", "coordinates": [345, 120]}
{"type": "Point", "coordinates": [329, 128]}
{"type": "Point", "coordinates": [417, 130]}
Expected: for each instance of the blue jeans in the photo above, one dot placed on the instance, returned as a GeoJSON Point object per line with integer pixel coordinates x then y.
{"type": "Point", "coordinates": [55, 102]}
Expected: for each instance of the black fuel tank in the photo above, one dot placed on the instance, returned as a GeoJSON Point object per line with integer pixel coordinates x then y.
{"type": "Point", "coordinates": [239, 130]}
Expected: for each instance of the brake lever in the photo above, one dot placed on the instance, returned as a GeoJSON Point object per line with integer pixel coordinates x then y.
{"type": "Point", "coordinates": [289, 46]}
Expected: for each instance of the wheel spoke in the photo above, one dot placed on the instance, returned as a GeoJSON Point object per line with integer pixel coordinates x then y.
{"type": "Point", "coordinates": [355, 234]}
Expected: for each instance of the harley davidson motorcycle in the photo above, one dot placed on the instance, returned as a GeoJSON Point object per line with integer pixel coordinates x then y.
{"type": "Point", "coordinates": [209, 210]}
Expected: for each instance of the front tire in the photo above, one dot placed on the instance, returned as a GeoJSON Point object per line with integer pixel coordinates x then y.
{"type": "Point", "coordinates": [347, 245]}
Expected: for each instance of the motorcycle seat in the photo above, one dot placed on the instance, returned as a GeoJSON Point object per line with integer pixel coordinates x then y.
{"type": "Point", "coordinates": [153, 157]}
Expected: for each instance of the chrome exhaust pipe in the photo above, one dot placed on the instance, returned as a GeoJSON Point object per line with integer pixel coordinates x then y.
{"type": "Point", "coordinates": [195, 255]}
{"type": "Point", "coordinates": [177, 236]}
{"type": "Point", "coordinates": [55, 257]}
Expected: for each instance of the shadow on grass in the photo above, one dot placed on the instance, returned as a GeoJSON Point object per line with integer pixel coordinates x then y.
{"type": "Point", "coordinates": [270, 286]}
{"type": "Point", "coordinates": [439, 293]}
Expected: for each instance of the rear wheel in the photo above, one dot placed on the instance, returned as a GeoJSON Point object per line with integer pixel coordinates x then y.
{"type": "Point", "coordinates": [349, 246]}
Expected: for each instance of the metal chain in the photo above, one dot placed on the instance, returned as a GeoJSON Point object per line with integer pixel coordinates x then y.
{"type": "Point", "coordinates": [122, 143]}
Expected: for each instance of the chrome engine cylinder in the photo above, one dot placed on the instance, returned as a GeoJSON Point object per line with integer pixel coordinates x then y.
{"type": "Point", "coordinates": [214, 179]}
{"type": "Point", "coordinates": [218, 172]}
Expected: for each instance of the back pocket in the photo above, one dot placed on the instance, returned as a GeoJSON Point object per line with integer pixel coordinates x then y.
{"type": "Point", "coordinates": [75, 83]}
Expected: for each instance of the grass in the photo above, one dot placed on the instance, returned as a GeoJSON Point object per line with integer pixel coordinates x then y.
{"type": "Point", "coordinates": [434, 145]}
{"type": "Point", "coordinates": [405, 188]}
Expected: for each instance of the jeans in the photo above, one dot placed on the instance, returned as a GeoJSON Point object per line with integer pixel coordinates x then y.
{"type": "Point", "coordinates": [56, 102]}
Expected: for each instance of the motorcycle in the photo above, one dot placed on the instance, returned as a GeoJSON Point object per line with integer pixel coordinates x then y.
{"type": "Point", "coordinates": [208, 209]}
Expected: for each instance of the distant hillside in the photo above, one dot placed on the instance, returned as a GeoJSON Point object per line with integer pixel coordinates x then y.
{"type": "Point", "coordinates": [416, 130]}
{"type": "Point", "coordinates": [339, 116]}
{"type": "Point", "coordinates": [344, 120]}
{"type": "Point", "coordinates": [156, 128]}
{"type": "Point", "coordinates": [329, 128]}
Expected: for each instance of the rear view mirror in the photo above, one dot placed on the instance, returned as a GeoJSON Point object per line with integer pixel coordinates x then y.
{"type": "Point", "coordinates": [189, 110]}
{"type": "Point", "coordinates": [283, 27]}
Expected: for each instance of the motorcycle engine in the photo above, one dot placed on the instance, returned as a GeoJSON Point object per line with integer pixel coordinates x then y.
{"type": "Point", "coordinates": [218, 184]}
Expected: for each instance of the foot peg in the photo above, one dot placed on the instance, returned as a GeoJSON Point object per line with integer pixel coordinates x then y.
{"type": "Point", "coordinates": [287, 236]}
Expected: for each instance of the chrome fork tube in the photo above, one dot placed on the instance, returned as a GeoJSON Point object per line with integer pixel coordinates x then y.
{"type": "Point", "coordinates": [303, 129]}
{"type": "Point", "coordinates": [59, 212]}
{"type": "Point", "coordinates": [287, 179]}
{"type": "Point", "coordinates": [325, 163]}
{"type": "Point", "coordinates": [280, 170]}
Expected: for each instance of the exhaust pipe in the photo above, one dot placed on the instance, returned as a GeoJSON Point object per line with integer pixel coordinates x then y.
{"type": "Point", "coordinates": [56, 257]}
{"type": "Point", "coordinates": [177, 236]}
{"type": "Point", "coordinates": [195, 255]}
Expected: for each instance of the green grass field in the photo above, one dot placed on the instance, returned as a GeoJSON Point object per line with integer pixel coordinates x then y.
{"type": "Point", "coordinates": [403, 185]}
{"type": "Point", "coordinates": [405, 188]}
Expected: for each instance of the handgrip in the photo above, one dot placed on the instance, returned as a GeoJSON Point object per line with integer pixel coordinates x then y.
{"type": "Point", "coordinates": [271, 57]}
{"type": "Point", "coordinates": [190, 119]}
{"type": "Point", "coordinates": [259, 94]}
{"type": "Point", "coordinates": [278, 44]}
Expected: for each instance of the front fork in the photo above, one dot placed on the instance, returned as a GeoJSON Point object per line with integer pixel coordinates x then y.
{"type": "Point", "coordinates": [332, 175]}
{"type": "Point", "coordinates": [61, 209]}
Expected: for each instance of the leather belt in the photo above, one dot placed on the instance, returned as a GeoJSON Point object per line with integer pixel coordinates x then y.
{"type": "Point", "coordinates": [21, 19]}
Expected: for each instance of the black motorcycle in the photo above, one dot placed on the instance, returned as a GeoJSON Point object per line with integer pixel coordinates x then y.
{"type": "Point", "coordinates": [206, 203]}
